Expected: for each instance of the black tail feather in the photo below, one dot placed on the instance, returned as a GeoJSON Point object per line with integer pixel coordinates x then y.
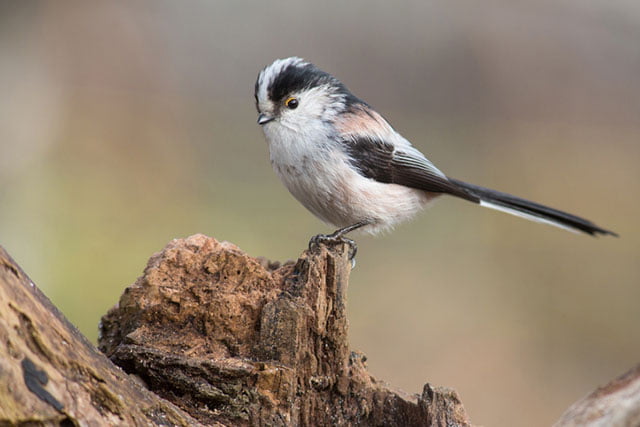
{"type": "Point", "coordinates": [532, 209]}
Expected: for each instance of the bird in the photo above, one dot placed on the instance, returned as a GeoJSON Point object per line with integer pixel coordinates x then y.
{"type": "Point", "coordinates": [345, 163]}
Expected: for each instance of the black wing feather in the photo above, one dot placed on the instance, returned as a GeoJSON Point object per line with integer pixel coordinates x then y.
{"type": "Point", "coordinates": [381, 161]}
{"type": "Point", "coordinates": [534, 209]}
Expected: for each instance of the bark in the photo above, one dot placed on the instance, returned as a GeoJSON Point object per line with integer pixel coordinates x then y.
{"type": "Point", "coordinates": [51, 375]}
{"type": "Point", "coordinates": [616, 404]}
{"type": "Point", "coordinates": [242, 341]}
{"type": "Point", "coordinates": [211, 336]}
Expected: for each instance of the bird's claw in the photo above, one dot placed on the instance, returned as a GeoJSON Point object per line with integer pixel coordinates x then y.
{"type": "Point", "coordinates": [330, 239]}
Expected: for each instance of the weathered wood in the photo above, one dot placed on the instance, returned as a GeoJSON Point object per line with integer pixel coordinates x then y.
{"type": "Point", "coordinates": [616, 404]}
{"type": "Point", "coordinates": [231, 339]}
{"type": "Point", "coordinates": [51, 375]}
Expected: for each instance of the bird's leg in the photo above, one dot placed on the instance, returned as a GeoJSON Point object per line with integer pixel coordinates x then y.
{"type": "Point", "coordinates": [338, 237]}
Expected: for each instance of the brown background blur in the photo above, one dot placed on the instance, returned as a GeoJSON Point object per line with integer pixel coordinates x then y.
{"type": "Point", "coordinates": [126, 124]}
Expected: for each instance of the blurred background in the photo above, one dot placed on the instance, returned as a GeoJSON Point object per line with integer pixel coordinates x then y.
{"type": "Point", "coordinates": [126, 124]}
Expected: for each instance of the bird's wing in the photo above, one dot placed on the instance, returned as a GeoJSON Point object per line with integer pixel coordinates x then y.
{"type": "Point", "coordinates": [387, 163]}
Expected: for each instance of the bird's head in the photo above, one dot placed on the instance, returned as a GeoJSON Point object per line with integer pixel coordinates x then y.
{"type": "Point", "coordinates": [297, 95]}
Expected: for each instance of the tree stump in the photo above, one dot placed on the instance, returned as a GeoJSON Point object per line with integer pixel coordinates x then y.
{"type": "Point", "coordinates": [242, 341]}
{"type": "Point", "coordinates": [211, 336]}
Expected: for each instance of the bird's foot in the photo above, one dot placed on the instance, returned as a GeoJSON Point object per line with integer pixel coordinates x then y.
{"type": "Point", "coordinates": [335, 239]}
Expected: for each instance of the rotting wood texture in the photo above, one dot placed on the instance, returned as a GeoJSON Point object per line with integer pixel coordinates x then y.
{"type": "Point", "coordinates": [51, 375]}
{"type": "Point", "coordinates": [241, 341]}
{"type": "Point", "coordinates": [222, 339]}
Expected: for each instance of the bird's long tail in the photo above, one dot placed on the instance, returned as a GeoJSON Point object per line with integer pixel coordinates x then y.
{"type": "Point", "coordinates": [530, 210]}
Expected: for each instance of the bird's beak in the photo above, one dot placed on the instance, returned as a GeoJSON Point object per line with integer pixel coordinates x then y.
{"type": "Point", "coordinates": [263, 119]}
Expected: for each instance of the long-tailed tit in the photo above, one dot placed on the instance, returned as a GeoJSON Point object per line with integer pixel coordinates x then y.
{"type": "Point", "coordinates": [346, 164]}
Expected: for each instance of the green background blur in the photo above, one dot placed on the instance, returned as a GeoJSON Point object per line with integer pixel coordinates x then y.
{"type": "Point", "coordinates": [126, 124]}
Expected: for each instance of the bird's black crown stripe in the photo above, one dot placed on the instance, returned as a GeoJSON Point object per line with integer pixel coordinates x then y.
{"type": "Point", "coordinates": [298, 77]}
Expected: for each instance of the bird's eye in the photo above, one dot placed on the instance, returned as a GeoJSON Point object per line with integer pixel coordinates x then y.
{"type": "Point", "coordinates": [291, 103]}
